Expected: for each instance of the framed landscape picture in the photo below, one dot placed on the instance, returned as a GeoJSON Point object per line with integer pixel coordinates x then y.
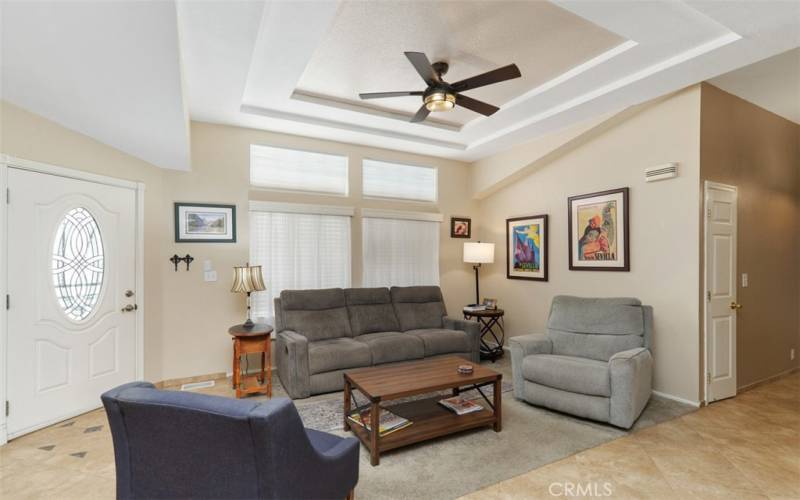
{"type": "Point", "coordinates": [598, 231]}
{"type": "Point", "coordinates": [205, 223]}
{"type": "Point", "coordinates": [526, 248]}
{"type": "Point", "coordinates": [460, 227]}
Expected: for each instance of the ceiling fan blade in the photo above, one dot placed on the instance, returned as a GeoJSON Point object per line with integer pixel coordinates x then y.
{"type": "Point", "coordinates": [422, 113]}
{"type": "Point", "coordinates": [423, 66]}
{"type": "Point", "coordinates": [476, 105]}
{"type": "Point", "coordinates": [488, 78]}
{"type": "Point", "coordinates": [380, 95]}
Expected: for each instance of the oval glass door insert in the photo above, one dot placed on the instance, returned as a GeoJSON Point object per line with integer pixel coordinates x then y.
{"type": "Point", "coordinates": [78, 264]}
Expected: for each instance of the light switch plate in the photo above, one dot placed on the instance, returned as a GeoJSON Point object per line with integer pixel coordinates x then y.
{"type": "Point", "coordinates": [210, 276]}
{"type": "Point", "coordinates": [745, 280]}
{"type": "Point", "coordinates": [207, 265]}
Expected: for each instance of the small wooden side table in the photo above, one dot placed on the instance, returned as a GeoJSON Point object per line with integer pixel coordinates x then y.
{"type": "Point", "coordinates": [491, 321]}
{"type": "Point", "coordinates": [248, 340]}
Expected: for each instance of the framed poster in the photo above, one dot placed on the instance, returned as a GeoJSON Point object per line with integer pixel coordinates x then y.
{"type": "Point", "coordinates": [460, 227]}
{"type": "Point", "coordinates": [526, 248]}
{"type": "Point", "coordinates": [598, 231]}
{"type": "Point", "coordinates": [205, 223]}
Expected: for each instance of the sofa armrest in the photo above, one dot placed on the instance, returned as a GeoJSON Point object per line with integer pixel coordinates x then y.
{"type": "Point", "coordinates": [291, 356]}
{"type": "Point", "coordinates": [631, 375]}
{"type": "Point", "coordinates": [521, 346]}
{"type": "Point", "coordinates": [473, 331]}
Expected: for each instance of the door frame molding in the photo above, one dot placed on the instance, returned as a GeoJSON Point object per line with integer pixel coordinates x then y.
{"type": "Point", "coordinates": [7, 162]}
{"type": "Point", "coordinates": [735, 190]}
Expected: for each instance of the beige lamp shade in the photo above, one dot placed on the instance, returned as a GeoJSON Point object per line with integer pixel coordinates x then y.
{"type": "Point", "coordinates": [247, 279]}
{"type": "Point", "coordinates": [479, 253]}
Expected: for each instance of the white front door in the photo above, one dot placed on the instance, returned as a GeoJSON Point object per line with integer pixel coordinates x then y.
{"type": "Point", "coordinates": [71, 279]}
{"type": "Point", "coordinates": [721, 285]}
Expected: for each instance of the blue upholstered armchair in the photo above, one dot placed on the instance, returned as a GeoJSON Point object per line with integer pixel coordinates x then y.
{"type": "Point", "coordinates": [170, 444]}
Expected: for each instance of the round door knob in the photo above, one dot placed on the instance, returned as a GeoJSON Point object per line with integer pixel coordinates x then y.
{"type": "Point", "coordinates": [129, 308]}
{"type": "Point", "coordinates": [734, 305]}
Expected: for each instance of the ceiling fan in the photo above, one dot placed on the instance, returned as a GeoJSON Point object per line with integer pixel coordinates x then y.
{"type": "Point", "coordinates": [443, 96]}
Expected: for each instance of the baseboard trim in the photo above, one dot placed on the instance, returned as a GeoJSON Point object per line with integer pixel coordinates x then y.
{"type": "Point", "coordinates": [763, 381]}
{"type": "Point", "coordinates": [173, 382]}
{"type": "Point", "coordinates": [696, 404]}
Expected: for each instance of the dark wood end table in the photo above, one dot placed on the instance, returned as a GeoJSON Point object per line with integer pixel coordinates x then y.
{"type": "Point", "coordinates": [491, 321]}
{"type": "Point", "coordinates": [249, 340]}
{"type": "Point", "coordinates": [429, 418]}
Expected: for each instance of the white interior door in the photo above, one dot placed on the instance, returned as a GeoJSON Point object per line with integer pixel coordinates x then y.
{"type": "Point", "coordinates": [71, 279]}
{"type": "Point", "coordinates": [721, 286]}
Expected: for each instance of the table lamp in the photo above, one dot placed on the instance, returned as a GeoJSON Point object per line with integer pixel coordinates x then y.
{"type": "Point", "coordinates": [477, 254]}
{"type": "Point", "coordinates": [247, 279]}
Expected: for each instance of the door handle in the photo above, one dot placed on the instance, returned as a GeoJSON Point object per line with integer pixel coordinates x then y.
{"type": "Point", "coordinates": [734, 305]}
{"type": "Point", "coordinates": [129, 308]}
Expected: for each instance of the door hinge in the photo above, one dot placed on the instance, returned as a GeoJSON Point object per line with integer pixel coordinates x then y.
{"type": "Point", "coordinates": [8, 196]}
{"type": "Point", "coordinates": [708, 295]}
{"type": "Point", "coordinates": [8, 301]}
{"type": "Point", "coordinates": [708, 212]}
{"type": "Point", "coordinates": [708, 377]}
{"type": "Point", "coordinates": [8, 408]}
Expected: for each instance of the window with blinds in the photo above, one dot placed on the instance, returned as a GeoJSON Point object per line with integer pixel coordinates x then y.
{"type": "Point", "coordinates": [298, 251]}
{"type": "Point", "coordinates": [394, 180]}
{"type": "Point", "coordinates": [400, 252]}
{"type": "Point", "coordinates": [295, 170]}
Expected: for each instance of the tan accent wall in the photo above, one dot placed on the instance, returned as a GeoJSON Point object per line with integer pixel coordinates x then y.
{"type": "Point", "coordinates": [663, 230]}
{"type": "Point", "coordinates": [758, 152]}
{"type": "Point", "coordinates": [186, 319]}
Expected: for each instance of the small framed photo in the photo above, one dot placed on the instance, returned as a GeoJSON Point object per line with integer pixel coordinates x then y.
{"type": "Point", "coordinates": [460, 227]}
{"type": "Point", "coordinates": [526, 247]}
{"type": "Point", "coordinates": [598, 231]}
{"type": "Point", "coordinates": [205, 223]}
{"type": "Point", "coordinates": [489, 303]}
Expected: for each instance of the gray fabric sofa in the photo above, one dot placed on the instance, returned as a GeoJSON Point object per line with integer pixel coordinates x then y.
{"type": "Point", "coordinates": [323, 333]}
{"type": "Point", "coordinates": [594, 361]}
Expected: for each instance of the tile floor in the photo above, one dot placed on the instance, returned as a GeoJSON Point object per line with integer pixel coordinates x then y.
{"type": "Point", "coordinates": [747, 447]}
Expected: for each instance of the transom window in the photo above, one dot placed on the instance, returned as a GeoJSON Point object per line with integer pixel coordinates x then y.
{"type": "Point", "coordinates": [383, 179]}
{"type": "Point", "coordinates": [295, 170]}
{"type": "Point", "coordinates": [78, 264]}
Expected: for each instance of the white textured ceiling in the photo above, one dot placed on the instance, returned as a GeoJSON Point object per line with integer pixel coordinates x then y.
{"type": "Point", "coordinates": [121, 71]}
{"type": "Point", "coordinates": [109, 70]}
{"type": "Point", "coordinates": [773, 84]}
{"type": "Point", "coordinates": [363, 49]}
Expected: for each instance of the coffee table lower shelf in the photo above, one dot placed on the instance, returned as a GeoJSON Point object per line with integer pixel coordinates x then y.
{"type": "Point", "coordinates": [429, 420]}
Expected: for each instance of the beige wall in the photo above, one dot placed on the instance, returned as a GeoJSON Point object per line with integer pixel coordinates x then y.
{"type": "Point", "coordinates": [759, 153]}
{"type": "Point", "coordinates": [663, 233]}
{"type": "Point", "coordinates": [186, 319]}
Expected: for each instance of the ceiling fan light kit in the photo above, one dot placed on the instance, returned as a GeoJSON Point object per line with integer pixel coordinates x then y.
{"type": "Point", "coordinates": [443, 96]}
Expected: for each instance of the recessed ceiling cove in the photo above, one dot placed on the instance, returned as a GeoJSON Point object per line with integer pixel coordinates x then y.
{"type": "Point", "coordinates": [363, 50]}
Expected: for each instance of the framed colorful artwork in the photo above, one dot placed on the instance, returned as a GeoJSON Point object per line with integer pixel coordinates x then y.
{"type": "Point", "coordinates": [526, 248]}
{"type": "Point", "coordinates": [598, 231]}
{"type": "Point", "coordinates": [205, 223]}
{"type": "Point", "coordinates": [460, 227]}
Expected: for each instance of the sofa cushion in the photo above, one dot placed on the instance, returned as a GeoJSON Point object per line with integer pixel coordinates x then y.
{"type": "Point", "coordinates": [337, 354]}
{"type": "Point", "coordinates": [418, 307]}
{"type": "Point", "coordinates": [388, 347]}
{"type": "Point", "coordinates": [567, 373]}
{"type": "Point", "coordinates": [441, 341]}
{"type": "Point", "coordinates": [315, 314]}
{"type": "Point", "coordinates": [370, 310]}
{"type": "Point", "coordinates": [597, 347]}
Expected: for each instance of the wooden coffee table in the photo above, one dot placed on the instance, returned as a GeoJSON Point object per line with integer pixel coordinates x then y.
{"type": "Point", "coordinates": [430, 419]}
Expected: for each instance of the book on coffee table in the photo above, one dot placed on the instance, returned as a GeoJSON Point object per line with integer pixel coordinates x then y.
{"type": "Point", "coordinates": [460, 405]}
{"type": "Point", "coordinates": [388, 422]}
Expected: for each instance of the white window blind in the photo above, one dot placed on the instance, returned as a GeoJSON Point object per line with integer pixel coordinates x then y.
{"type": "Point", "coordinates": [294, 170]}
{"type": "Point", "coordinates": [298, 251]}
{"type": "Point", "coordinates": [394, 180]}
{"type": "Point", "coordinates": [400, 252]}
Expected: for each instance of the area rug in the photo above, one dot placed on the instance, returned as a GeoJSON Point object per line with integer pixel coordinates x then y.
{"type": "Point", "coordinates": [455, 465]}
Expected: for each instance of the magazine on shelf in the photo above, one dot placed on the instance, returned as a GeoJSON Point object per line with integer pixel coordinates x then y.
{"type": "Point", "coordinates": [388, 422]}
{"type": "Point", "coordinates": [474, 308]}
{"type": "Point", "coordinates": [460, 405]}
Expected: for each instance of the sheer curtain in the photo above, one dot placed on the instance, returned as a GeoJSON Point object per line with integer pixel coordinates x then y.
{"type": "Point", "coordinates": [298, 251]}
{"type": "Point", "coordinates": [400, 252]}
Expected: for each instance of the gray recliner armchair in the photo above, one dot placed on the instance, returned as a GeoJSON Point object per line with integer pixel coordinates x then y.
{"type": "Point", "coordinates": [594, 362]}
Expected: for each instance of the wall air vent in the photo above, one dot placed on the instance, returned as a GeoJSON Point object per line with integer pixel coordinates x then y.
{"type": "Point", "coordinates": [661, 172]}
